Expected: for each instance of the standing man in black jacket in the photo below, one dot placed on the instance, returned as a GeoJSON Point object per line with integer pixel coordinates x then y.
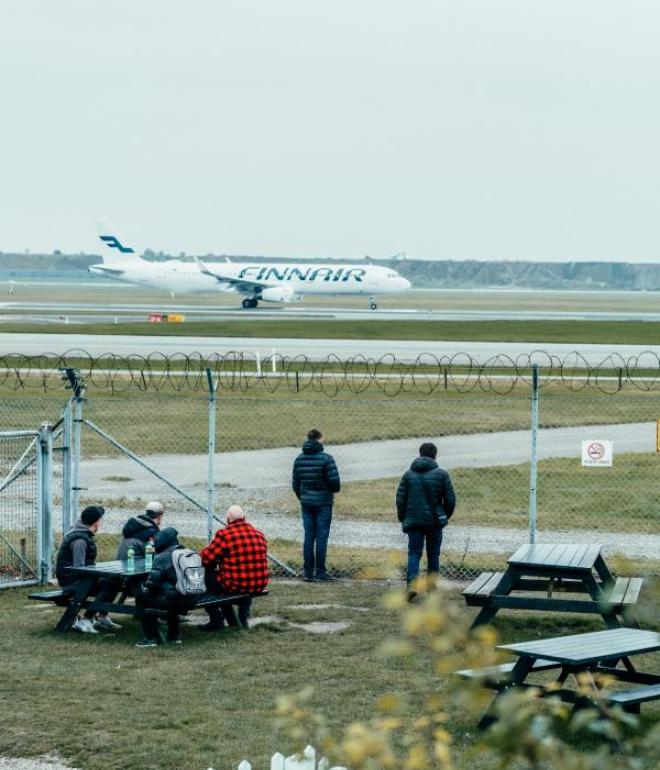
{"type": "Point", "coordinates": [425, 501]}
{"type": "Point", "coordinates": [315, 483]}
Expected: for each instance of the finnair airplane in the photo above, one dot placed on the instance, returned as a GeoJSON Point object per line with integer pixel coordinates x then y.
{"type": "Point", "coordinates": [267, 282]}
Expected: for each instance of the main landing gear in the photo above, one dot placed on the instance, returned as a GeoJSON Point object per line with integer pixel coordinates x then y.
{"type": "Point", "coordinates": [372, 303]}
{"type": "Point", "coordinates": [250, 302]}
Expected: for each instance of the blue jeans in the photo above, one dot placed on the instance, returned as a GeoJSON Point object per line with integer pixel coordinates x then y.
{"type": "Point", "coordinates": [416, 539]}
{"type": "Point", "coordinates": [316, 523]}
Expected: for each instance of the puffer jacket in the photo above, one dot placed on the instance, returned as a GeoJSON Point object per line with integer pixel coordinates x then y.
{"type": "Point", "coordinates": [161, 581]}
{"type": "Point", "coordinates": [425, 492]}
{"type": "Point", "coordinates": [315, 476]}
{"type": "Point", "coordinates": [136, 532]}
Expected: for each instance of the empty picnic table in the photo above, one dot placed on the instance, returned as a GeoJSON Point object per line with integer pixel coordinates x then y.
{"type": "Point", "coordinates": [79, 596]}
{"type": "Point", "coordinates": [598, 652]}
{"type": "Point", "coordinates": [555, 568]}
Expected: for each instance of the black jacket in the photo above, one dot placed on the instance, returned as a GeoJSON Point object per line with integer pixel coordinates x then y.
{"type": "Point", "coordinates": [161, 581]}
{"type": "Point", "coordinates": [136, 532]}
{"type": "Point", "coordinates": [65, 556]}
{"type": "Point", "coordinates": [422, 489]}
{"type": "Point", "coordinates": [315, 476]}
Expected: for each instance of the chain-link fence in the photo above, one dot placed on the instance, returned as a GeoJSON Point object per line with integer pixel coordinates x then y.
{"type": "Point", "coordinates": [19, 509]}
{"type": "Point", "coordinates": [145, 443]}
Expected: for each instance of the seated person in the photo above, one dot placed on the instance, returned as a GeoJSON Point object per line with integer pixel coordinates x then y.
{"type": "Point", "coordinates": [159, 592]}
{"type": "Point", "coordinates": [236, 561]}
{"type": "Point", "coordinates": [139, 529]}
{"type": "Point", "coordinates": [78, 549]}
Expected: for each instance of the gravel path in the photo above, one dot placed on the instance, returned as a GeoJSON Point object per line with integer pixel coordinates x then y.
{"type": "Point", "coordinates": [264, 469]}
{"type": "Point", "coordinates": [40, 763]}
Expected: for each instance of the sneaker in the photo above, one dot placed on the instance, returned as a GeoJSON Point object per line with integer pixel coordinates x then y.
{"type": "Point", "coordinates": [147, 643]}
{"type": "Point", "coordinates": [85, 626]}
{"type": "Point", "coordinates": [174, 640]}
{"type": "Point", "coordinates": [411, 595]}
{"type": "Point", "coordinates": [308, 578]}
{"type": "Point", "coordinates": [325, 578]}
{"type": "Point", "coordinates": [210, 627]}
{"type": "Point", "coordinates": [104, 623]}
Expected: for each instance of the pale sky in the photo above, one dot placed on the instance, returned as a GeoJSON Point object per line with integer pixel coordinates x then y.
{"type": "Point", "coordinates": [480, 129]}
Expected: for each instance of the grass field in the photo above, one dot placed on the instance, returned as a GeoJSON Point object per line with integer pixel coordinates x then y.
{"type": "Point", "coordinates": [100, 292]}
{"type": "Point", "coordinates": [572, 332]}
{"type": "Point", "coordinates": [104, 705]}
{"type": "Point", "coordinates": [167, 422]}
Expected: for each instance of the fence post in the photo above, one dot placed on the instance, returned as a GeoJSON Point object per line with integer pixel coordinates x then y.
{"type": "Point", "coordinates": [44, 502]}
{"type": "Point", "coordinates": [67, 483]}
{"type": "Point", "coordinates": [533, 464]}
{"type": "Point", "coordinates": [210, 488]}
{"type": "Point", "coordinates": [75, 456]}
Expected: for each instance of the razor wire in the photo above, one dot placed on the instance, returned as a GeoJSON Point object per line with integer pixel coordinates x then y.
{"type": "Point", "coordinates": [238, 371]}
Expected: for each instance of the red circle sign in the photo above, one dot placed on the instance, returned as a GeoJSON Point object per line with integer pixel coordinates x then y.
{"type": "Point", "coordinates": [596, 450]}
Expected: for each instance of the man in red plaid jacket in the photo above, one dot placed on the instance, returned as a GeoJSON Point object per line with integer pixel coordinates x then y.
{"type": "Point", "coordinates": [236, 561]}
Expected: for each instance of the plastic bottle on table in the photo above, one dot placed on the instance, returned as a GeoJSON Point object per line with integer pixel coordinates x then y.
{"type": "Point", "coordinates": [149, 554]}
{"type": "Point", "coordinates": [130, 560]}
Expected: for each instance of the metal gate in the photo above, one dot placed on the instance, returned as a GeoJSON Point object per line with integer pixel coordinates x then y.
{"type": "Point", "coordinates": [26, 530]}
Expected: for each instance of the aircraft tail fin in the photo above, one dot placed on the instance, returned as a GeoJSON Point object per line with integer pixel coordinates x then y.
{"type": "Point", "coordinates": [116, 250]}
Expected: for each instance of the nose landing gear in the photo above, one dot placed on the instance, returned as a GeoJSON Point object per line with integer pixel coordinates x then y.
{"type": "Point", "coordinates": [372, 303]}
{"type": "Point", "coordinates": [250, 302]}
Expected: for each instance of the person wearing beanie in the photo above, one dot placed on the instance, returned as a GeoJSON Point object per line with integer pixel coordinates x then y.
{"type": "Point", "coordinates": [138, 530]}
{"type": "Point", "coordinates": [159, 591]}
{"type": "Point", "coordinates": [78, 549]}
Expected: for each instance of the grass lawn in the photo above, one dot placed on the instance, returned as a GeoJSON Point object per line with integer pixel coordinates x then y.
{"type": "Point", "coordinates": [605, 332]}
{"type": "Point", "coordinates": [103, 704]}
{"type": "Point", "coordinates": [166, 422]}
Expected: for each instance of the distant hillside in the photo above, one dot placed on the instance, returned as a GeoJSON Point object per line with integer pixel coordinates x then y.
{"type": "Point", "coordinates": [423, 273]}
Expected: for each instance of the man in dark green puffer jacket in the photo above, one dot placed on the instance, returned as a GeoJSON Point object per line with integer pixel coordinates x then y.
{"type": "Point", "coordinates": [315, 482]}
{"type": "Point", "coordinates": [425, 501]}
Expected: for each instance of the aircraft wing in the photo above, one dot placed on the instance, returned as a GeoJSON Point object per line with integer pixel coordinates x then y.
{"type": "Point", "coordinates": [236, 284]}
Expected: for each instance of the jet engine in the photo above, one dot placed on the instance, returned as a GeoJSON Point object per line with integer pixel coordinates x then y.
{"type": "Point", "coordinates": [279, 294]}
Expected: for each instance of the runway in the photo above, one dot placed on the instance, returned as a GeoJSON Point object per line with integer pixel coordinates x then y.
{"type": "Point", "coordinates": [94, 312]}
{"type": "Point", "coordinates": [317, 349]}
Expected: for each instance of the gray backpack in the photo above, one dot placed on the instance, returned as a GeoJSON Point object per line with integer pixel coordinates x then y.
{"type": "Point", "coordinates": [189, 572]}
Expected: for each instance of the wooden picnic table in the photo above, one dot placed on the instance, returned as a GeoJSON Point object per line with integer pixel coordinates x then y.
{"type": "Point", "coordinates": [597, 652]}
{"type": "Point", "coordinates": [555, 568]}
{"type": "Point", "coordinates": [79, 597]}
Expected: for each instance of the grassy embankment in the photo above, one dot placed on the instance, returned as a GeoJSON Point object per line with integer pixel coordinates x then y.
{"type": "Point", "coordinates": [104, 705]}
{"type": "Point", "coordinates": [570, 332]}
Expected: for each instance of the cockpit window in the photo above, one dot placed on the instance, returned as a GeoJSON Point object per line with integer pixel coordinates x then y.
{"type": "Point", "coordinates": [391, 275]}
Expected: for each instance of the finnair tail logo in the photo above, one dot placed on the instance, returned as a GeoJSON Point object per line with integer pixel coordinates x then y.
{"type": "Point", "coordinates": [114, 243]}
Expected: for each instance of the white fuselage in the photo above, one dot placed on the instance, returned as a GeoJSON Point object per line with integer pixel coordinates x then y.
{"type": "Point", "coordinates": [331, 279]}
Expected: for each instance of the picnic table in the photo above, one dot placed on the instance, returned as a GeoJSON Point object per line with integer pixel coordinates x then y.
{"type": "Point", "coordinates": [79, 597]}
{"type": "Point", "coordinates": [597, 652]}
{"type": "Point", "coordinates": [555, 568]}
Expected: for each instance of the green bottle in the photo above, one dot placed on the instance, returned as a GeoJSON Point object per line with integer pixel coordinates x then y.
{"type": "Point", "coordinates": [149, 554]}
{"type": "Point", "coordinates": [130, 560]}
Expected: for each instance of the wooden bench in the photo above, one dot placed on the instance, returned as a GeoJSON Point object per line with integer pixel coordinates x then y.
{"type": "Point", "coordinates": [212, 600]}
{"type": "Point", "coordinates": [625, 592]}
{"type": "Point", "coordinates": [631, 700]}
{"type": "Point", "coordinates": [498, 673]}
{"type": "Point", "coordinates": [59, 597]}
{"type": "Point", "coordinates": [478, 592]}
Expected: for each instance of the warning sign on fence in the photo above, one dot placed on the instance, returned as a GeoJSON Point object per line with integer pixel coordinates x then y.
{"type": "Point", "coordinates": [597, 453]}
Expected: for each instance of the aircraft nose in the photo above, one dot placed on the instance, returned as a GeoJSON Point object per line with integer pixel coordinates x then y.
{"type": "Point", "coordinates": [405, 284]}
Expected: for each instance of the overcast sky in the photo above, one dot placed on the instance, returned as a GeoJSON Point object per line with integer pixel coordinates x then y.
{"type": "Point", "coordinates": [486, 129]}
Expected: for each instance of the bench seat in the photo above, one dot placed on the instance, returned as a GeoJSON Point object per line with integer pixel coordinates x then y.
{"type": "Point", "coordinates": [58, 596]}
{"type": "Point", "coordinates": [630, 700]}
{"type": "Point", "coordinates": [625, 592]}
{"type": "Point", "coordinates": [480, 589]}
{"type": "Point", "coordinates": [496, 672]}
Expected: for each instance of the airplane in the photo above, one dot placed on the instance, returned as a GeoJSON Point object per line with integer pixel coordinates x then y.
{"type": "Point", "coordinates": [257, 282]}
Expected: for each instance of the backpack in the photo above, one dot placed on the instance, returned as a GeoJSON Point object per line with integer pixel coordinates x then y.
{"type": "Point", "coordinates": [189, 572]}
